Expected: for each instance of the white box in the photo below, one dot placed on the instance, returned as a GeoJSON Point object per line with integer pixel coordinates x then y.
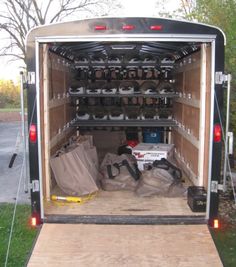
{"type": "Point", "coordinates": [146, 153]}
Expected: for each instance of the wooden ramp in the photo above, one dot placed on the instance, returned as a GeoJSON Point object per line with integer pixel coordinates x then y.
{"type": "Point", "coordinates": [124, 245]}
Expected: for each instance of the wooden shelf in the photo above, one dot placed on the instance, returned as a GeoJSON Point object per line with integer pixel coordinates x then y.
{"type": "Point", "coordinates": [128, 65]}
{"type": "Point", "coordinates": [174, 95]}
{"type": "Point", "coordinates": [132, 123]}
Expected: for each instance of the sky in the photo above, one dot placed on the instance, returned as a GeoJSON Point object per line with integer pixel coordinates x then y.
{"type": "Point", "coordinates": [147, 8]}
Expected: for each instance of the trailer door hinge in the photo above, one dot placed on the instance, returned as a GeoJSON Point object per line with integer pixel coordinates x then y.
{"type": "Point", "coordinates": [220, 77]}
{"type": "Point", "coordinates": [31, 77]}
{"type": "Point", "coordinates": [215, 186]}
{"type": "Point", "coordinates": [35, 186]}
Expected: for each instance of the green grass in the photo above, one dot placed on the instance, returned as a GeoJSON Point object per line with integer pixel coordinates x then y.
{"type": "Point", "coordinates": [225, 241]}
{"type": "Point", "coordinates": [9, 109]}
{"type": "Point", "coordinates": [22, 238]}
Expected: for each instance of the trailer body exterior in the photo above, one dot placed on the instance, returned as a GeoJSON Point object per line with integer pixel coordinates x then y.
{"type": "Point", "coordinates": [124, 30]}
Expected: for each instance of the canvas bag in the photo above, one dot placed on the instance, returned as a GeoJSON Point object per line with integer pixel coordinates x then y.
{"type": "Point", "coordinates": [161, 182]}
{"type": "Point", "coordinates": [119, 178]}
{"type": "Point", "coordinates": [74, 171]}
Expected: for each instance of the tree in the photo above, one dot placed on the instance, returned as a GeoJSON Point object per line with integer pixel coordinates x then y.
{"type": "Point", "coordinates": [221, 13]}
{"type": "Point", "coordinates": [17, 17]}
{"type": "Point", "coordinates": [9, 94]}
{"type": "Point", "coordinates": [180, 9]}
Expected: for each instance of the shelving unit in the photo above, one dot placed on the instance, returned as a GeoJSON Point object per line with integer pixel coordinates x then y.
{"type": "Point", "coordinates": [110, 64]}
{"type": "Point", "coordinates": [120, 123]}
{"type": "Point", "coordinates": [171, 95]}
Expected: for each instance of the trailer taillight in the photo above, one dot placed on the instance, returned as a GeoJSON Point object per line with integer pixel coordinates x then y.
{"type": "Point", "coordinates": [33, 221]}
{"type": "Point", "coordinates": [33, 133]}
{"type": "Point", "coordinates": [217, 133]}
{"type": "Point", "coordinates": [128, 27]}
{"type": "Point", "coordinates": [156, 27]}
{"type": "Point", "coordinates": [100, 27]}
{"type": "Point", "coordinates": [216, 224]}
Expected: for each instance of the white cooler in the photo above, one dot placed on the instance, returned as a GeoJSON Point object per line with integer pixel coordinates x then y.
{"type": "Point", "coordinates": [146, 153]}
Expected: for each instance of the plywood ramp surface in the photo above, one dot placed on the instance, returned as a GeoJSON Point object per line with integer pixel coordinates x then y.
{"type": "Point", "coordinates": [124, 245]}
{"type": "Point", "coordinates": [123, 203]}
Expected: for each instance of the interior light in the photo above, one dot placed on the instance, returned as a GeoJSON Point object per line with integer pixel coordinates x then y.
{"type": "Point", "coordinates": [123, 47]}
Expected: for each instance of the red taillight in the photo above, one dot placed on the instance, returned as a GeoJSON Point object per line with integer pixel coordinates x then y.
{"type": "Point", "coordinates": [100, 27]}
{"type": "Point", "coordinates": [33, 221]}
{"type": "Point", "coordinates": [128, 27]}
{"type": "Point", "coordinates": [217, 133]}
{"type": "Point", "coordinates": [156, 27]}
{"type": "Point", "coordinates": [33, 133]}
{"type": "Point", "coordinates": [216, 224]}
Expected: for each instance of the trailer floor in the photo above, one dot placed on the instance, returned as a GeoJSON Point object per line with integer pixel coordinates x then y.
{"type": "Point", "coordinates": [122, 203]}
{"type": "Point", "coordinates": [124, 245]}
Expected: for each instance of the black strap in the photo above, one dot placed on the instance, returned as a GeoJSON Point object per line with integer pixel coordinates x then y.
{"type": "Point", "coordinates": [134, 172]}
{"type": "Point", "coordinates": [166, 165]}
{"type": "Point", "coordinates": [109, 170]}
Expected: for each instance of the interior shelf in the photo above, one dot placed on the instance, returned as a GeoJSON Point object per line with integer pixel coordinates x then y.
{"type": "Point", "coordinates": [141, 64]}
{"type": "Point", "coordinates": [170, 95]}
{"type": "Point", "coordinates": [134, 123]}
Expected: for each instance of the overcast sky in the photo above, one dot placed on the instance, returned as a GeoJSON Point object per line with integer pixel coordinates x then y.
{"type": "Point", "coordinates": [10, 70]}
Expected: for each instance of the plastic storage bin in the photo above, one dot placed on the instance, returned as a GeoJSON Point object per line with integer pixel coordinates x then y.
{"type": "Point", "coordinates": [152, 136]}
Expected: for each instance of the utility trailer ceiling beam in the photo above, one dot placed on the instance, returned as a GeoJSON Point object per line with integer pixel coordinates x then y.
{"type": "Point", "coordinates": [127, 50]}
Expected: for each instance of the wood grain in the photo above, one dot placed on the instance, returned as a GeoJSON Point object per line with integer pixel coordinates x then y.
{"type": "Point", "coordinates": [122, 203]}
{"type": "Point", "coordinates": [124, 245]}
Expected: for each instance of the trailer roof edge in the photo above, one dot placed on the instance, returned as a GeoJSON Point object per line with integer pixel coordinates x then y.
{"type": "Point", "coordinates": [124, 17]}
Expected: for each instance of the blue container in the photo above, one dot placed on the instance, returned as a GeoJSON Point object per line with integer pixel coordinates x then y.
{"type": "Point", "coordinates": [152, 136]}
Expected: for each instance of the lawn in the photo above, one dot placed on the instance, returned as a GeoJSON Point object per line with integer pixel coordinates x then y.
{"type": "Point", "coordinates": [22, 238]}
{"type": "Point", "coordinates": [225, 240]}
{"type": "Point", "coordinates": [226, 244]}
{"type": "Point", "coordinates": [10, 109]}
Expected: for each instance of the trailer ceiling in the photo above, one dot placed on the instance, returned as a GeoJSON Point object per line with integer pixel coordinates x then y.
{"type": "Point", "coordinates": [124, 50]}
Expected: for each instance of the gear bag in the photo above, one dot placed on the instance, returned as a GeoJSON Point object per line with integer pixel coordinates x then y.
{"type": "Point", "coordinates": [162, 179]}
{"type": "Point", "coordinates": [119, 172]}
{"type": "Point", "coordinates": [168, 166]}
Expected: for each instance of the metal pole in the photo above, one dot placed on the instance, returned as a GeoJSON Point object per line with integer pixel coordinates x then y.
{"type": "Point", "coordinates": [226, 131]}
{"type": "Point", "coordinates": [23, 133]}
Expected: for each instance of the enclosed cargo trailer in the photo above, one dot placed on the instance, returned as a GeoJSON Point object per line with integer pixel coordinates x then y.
{"type": "Point", "coordinates": [163, 77]}
{"type": "Point", "coordinates": [106, 53]}
{"type": "Point", "coordinates": [113, 53]}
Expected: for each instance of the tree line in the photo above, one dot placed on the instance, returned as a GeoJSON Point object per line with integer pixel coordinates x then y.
{"type": "Point", "coordinates": [9, 94]}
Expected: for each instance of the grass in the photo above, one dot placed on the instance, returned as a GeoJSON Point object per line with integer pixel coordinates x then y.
{"type": "Point", "coordinates": [10, 109]}
{"type": "Point", "coordinates": [22, 238]}
{"type": "Point", "coordinates": [226, 244]}
{"type": "Point", "coordinates": [225, 241]}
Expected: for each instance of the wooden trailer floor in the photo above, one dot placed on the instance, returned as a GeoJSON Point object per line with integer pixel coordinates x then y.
{"type": "Point", "coordinates": [122, 203]}
{"type": "Point", "coordinates": [124, 245]}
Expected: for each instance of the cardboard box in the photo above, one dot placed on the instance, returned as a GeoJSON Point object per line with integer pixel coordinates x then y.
{"type": "Point", "coordinates": [147, 153]}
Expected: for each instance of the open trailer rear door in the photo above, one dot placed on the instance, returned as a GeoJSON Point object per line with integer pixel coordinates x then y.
{"type": "Point", "coordinates": [124, 245]}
